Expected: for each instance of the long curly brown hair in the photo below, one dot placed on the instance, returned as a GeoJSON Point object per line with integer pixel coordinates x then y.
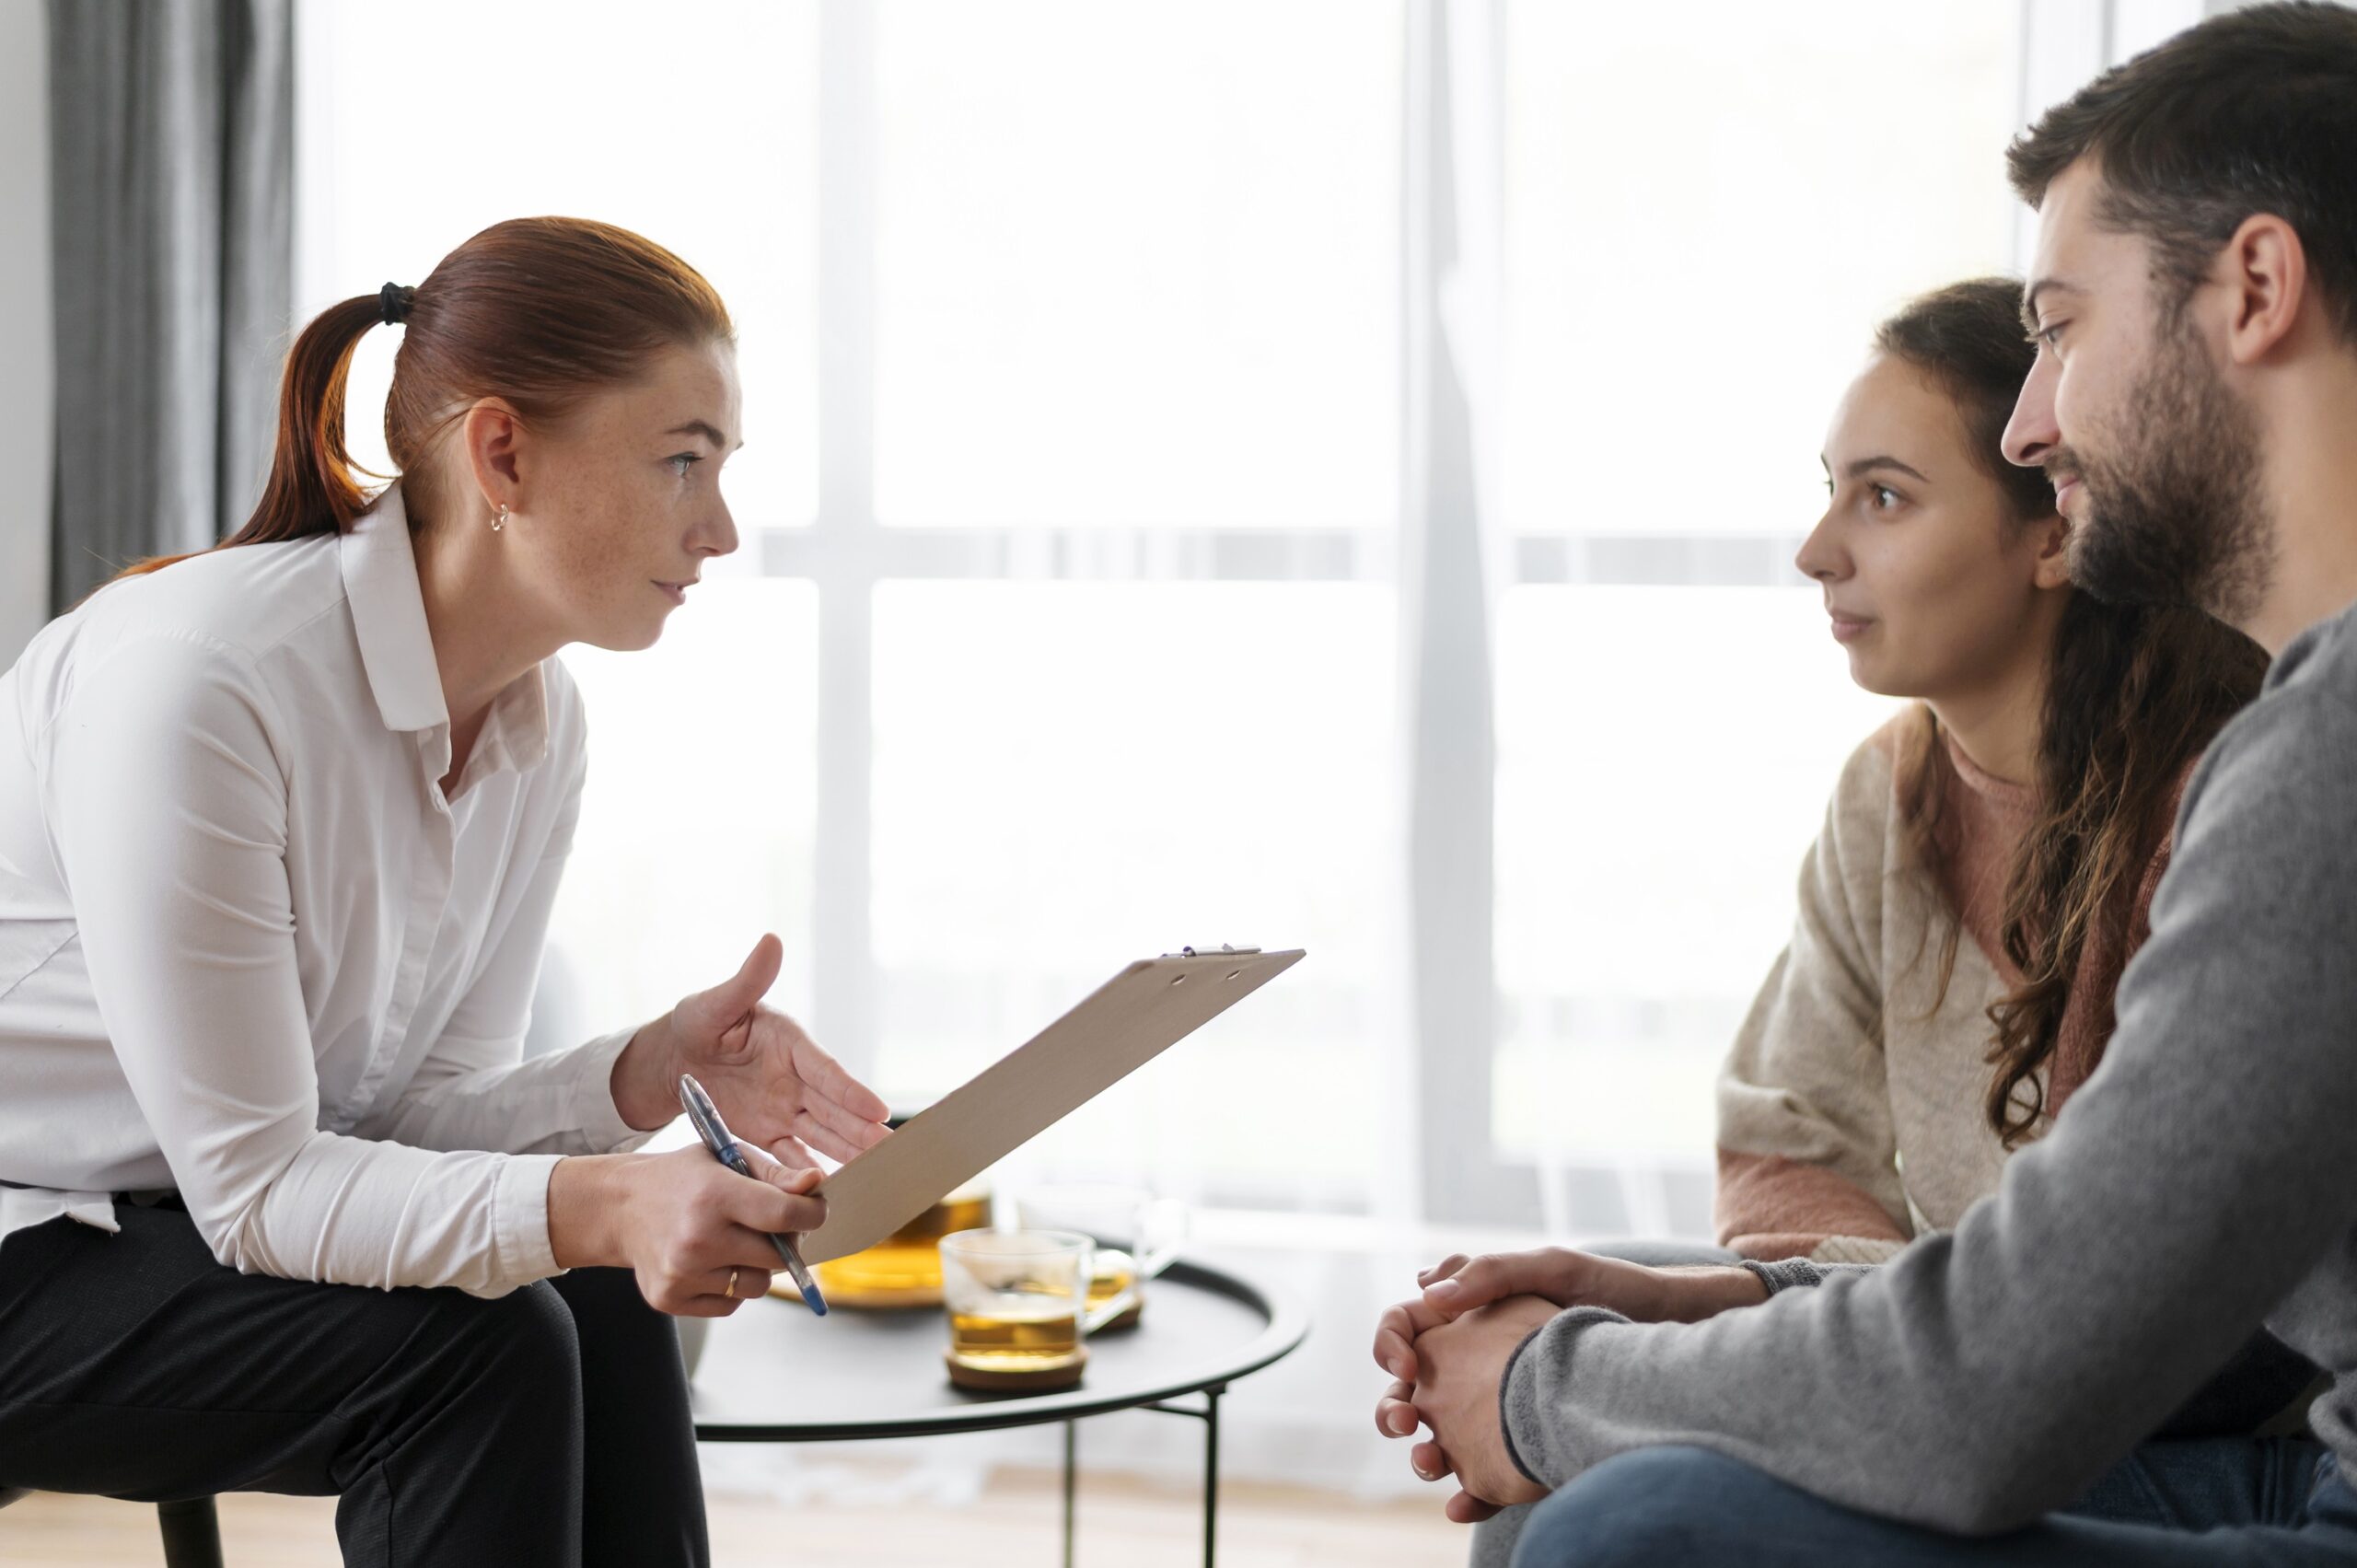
{"type": "Point", "coordinates": [2134, 694]}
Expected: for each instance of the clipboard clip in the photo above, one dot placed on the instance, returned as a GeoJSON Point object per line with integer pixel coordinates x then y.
{"type": "Point", "coordinates": [1222, 951]}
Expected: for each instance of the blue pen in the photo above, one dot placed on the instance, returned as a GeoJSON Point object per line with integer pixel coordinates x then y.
{"type": "Point", "coordinates": [717, 1138]}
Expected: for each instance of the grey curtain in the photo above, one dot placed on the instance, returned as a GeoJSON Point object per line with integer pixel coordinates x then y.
{"type": "Point", "coordinates": [172, 146]}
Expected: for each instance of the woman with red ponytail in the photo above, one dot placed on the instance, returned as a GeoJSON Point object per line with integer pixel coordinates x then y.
{"type": "Point", "coordinates": [283, 1205]}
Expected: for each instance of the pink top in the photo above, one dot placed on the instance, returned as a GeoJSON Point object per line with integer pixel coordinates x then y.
{"type": "Point", "coordinates": [1991, 818]}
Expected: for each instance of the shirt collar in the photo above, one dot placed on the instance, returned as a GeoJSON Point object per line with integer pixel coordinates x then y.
{"type": "Point", "coordinates": [396, 648]}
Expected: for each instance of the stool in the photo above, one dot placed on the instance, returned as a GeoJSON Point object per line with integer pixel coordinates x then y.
{"type": "Point", "coordinates": [192, 1530]}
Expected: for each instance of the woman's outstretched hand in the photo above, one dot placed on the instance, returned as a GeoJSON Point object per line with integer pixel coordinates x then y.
{"type": "Point", "coordinates": [772, 1085]}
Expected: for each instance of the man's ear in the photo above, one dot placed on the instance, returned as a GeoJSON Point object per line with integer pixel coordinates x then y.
{"type": "Point", "coordinates": [2265, 270]}
{"type": "Point", "coordinates": [2053, 569]}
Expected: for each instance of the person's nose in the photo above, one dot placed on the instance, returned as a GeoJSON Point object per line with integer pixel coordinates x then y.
{"type": "Point", "coordinates": [1821, 556]}
{"type": "Point", "coordinates": [2032, 432]}
{"type": "Point", "coordinates": [718, 533]}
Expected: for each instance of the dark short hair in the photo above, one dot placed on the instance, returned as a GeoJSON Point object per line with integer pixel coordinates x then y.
{"type": "Point", "coordinates": [1968, 338]}
{"type": "Point", "coordinates": [2251, 111]}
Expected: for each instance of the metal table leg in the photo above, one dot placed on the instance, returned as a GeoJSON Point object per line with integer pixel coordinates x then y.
{"type": "Point", "coordinates": [1209, 1416]}
{"type": "Point", "coordinates": [1211, 1477]}
{"type": "Point", "coordinates": [1072, 1484]}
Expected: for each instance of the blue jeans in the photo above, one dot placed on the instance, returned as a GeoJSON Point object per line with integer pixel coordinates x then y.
{"type": "Point", "coordinates": [2208, 1482]}
{"type": "Point", "coordinates": [2224, 1502]}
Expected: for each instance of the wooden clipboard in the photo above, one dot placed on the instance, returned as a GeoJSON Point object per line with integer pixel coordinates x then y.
{"type": "Point", "coordinates": [1124, 1024]}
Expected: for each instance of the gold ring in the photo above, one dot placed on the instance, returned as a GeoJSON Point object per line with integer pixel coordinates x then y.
{"type": "Point", "coordinates": [731, 1292]}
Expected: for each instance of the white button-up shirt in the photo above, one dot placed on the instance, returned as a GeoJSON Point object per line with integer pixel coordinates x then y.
{"type": "Point", "coordinates": [247, 947]}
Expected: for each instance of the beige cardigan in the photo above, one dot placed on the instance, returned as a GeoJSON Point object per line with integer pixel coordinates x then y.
{"type": "Point", "coordinates": [1849, 1109]}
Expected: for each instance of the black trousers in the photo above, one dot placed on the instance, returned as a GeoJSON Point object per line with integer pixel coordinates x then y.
{"type": "Point", "coordinates": [548, 1425]}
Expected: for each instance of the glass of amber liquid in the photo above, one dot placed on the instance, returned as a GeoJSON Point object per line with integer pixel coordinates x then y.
{"type": "Point", "coordinates": [1137, 1236]}
{"type": "Point", "coordinates": [1016, 1301]}
{"type": "Point", "coordinates": [904, 1269]}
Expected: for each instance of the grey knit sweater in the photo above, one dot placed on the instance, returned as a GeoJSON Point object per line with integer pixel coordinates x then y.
{"type": "Point", "coordinates": [2204, 1181]}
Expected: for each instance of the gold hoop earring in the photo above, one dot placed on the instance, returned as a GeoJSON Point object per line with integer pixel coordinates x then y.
{"type": "Point", "coordinates": [500, 521]}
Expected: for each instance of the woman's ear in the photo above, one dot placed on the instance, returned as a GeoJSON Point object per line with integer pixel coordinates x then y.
{"type": "Point", "coordinates": [493, 433]}
{"type": "Point", "coordinates": [2053, 569]}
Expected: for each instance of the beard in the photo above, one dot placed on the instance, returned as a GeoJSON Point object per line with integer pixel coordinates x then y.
{"type": "Point", "coordinates": [2175, 513]}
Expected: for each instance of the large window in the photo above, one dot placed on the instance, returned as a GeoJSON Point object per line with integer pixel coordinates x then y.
{"type": "Point", "coordinates": [1705, 217]}
{"type": "Point", "coordinates": [1135, 264]}
{"type": "Point", "coordinates": [1099, 448]}
{"type": "Point", "coordinates": [1071, 773]}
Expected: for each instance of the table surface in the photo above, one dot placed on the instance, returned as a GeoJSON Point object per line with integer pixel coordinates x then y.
{"type": "Point", "coordinates": [773, 1373]}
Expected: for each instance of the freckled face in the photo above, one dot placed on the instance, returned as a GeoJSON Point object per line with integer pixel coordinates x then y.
{"type": "Point", "coordinates": [626, 503]}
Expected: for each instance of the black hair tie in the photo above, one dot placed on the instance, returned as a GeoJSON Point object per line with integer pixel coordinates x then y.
{"type": "Point", "coordinates": [392, 303]}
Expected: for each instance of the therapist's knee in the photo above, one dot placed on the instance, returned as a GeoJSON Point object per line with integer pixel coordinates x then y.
{"type": "Point", "coordinates": [1649, 1506]}
{"type": "Point", "coordinates": [524, 1344]}
{"type": "Point", "coordinates": [531, 1334]}
{"type": "Point", "coordinates": [435, 1367]}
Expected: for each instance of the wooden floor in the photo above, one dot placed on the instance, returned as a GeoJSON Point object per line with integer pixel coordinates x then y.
{"type": "Point", "coordinates": [1123, 1524]}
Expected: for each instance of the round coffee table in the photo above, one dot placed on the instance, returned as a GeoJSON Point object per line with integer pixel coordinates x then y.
{"type": "Point", "coordinates": [772, 1372]}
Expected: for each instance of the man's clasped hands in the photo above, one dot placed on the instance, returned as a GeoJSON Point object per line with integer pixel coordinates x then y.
{"type": "Point", "coordinates": [1449, 1349]}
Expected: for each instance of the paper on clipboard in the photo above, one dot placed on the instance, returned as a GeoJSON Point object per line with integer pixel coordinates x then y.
{"type": "Point", "coordinates": [1124, 1024]}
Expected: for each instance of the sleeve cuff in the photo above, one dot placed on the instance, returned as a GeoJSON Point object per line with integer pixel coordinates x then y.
{"type": "Point", "coordinates": [1801, 1274]}
{"type": "Point", "coordinates": [1541, 1360]}
{"type": "Point", "coordinates": [1788, 1274]}
{"type": "Point", "coordinates": [1505, 1404]}
{"type": "Point", "coordinates": [595, 1112]}
{"type": "Point", "coordinates": [520, 1219]}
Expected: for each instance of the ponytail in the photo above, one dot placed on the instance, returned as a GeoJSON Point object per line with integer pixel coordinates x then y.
{"type": "Point", "coordinates": [311, 488]}
{"type": "Point", "coordinates": [542, 312]}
